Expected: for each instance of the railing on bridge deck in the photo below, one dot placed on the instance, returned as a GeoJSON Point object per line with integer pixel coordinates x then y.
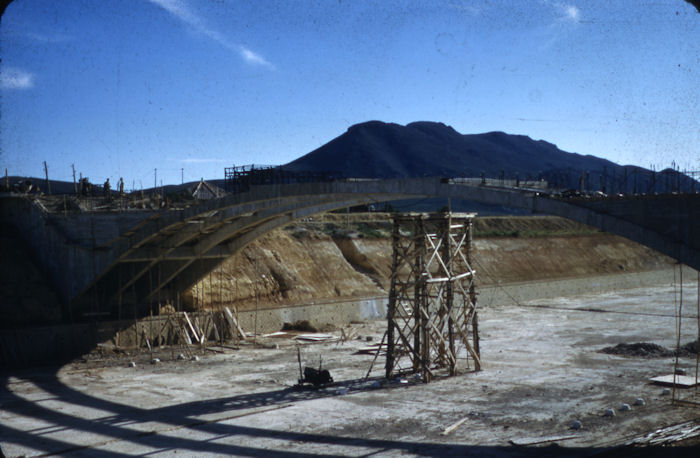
{"type": "Point", "coordinates": [535, 185]}
{"type": "Point", "coordinates": [628, 180]}
{"type": "Point", "coordinates": [240, 179]}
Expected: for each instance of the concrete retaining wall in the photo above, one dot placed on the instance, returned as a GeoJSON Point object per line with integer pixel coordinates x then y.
{"type": "Point", "coordinates": [67, 263]}
{"type": "Point", "coordinates": [57, 344]}
{"type": "Point", "coordinates": [340, 313]}
{"type": "Point", "coordinates": [336, 313]}
{"type": "Point", "coordinates": [514, 293]}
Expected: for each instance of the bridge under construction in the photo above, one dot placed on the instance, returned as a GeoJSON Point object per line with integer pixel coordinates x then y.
{"type": "Point", "coordinates": [104, 260]}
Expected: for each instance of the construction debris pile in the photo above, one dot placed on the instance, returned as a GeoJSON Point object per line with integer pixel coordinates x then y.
{"type": "Point", "coordinates": [651, 350]}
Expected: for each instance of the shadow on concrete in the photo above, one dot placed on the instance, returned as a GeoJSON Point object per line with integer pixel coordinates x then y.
{"type": "Point", "coordinates": [178, 426]}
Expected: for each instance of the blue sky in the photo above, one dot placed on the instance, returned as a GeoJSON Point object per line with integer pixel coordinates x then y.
{"type": "Point", "coordinates": [125, 87]}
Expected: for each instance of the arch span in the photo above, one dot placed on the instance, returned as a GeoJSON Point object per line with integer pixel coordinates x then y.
{"type": "Point", "coordinates": [158, 254]}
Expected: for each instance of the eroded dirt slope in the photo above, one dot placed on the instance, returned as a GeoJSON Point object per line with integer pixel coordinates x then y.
{"type": "Point", "coordinates": [342, 256]}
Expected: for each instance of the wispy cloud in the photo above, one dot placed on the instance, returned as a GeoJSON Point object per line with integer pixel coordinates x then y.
{"type": "Point", "coordinates": [182, 11]}
{"type": "Point", "coordinates": [566, 12]}
{"type": "Point", "coordinates": [16, 78]}
{"type": "Point", "coordinates": [252, 57]}
{"type": "Point", "coordinates": [570, 12]}
{"type": "Point", "coordinates": [54, 38]}
{"type": "Point", "coordinates": [565, 17]}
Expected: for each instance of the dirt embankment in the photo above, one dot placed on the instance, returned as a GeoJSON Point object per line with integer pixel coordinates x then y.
{"type": "Point", "coordinates": [335, 257]}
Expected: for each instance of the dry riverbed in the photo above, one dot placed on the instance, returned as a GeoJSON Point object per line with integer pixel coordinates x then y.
{"type": "Point", "coordinates": [543, 371]}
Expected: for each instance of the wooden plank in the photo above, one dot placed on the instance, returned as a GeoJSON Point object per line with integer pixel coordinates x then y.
{"type": "Point", "coordinates": [540, 440]}
{"type": "Point", "coordinates": [182, 331]}
{"type": "Point", "coordinates": [228, 316]}
{"type": "Point", "coordinates": [371, 349]}
{"type": "Point", "coordinates": [668, 435]}
{"type": "Point", "coordinates": [316, 337]}
{"type": "Point", "coordinates": [148, 343]}
{"type": "Point", "coordinates": [202, 335]}
{"type": "Point", "coordinates": [438, 334]}
{"type": "Point", "coordinates": [189, 323]}
{"type": "Point", "coordinates": [376, 354]}
{"type": "Point", "coordinates": [454, 426]}
{"type": "Point", "coordinates": [216, 330]}
{"type": "Point", "coordinates": [465, 340]}
{"type": "Point", "coordinates": [446, 279]}
{"type": "Point", "coordinates": [234, 324]}
{"type": "Point", "coordinates": [682, 381]}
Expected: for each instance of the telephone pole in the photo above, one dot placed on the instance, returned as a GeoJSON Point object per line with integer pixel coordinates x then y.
{"type": "Point", "coordinates": [48, 185]}
{"type": "Point", "coordinates": [75, 186]}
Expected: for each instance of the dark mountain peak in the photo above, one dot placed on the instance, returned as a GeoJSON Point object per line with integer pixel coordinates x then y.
{"type": "Point", "coordinates": [498, 134]}
{"type": "Point", "coordinates": [430, 128]}
{"type": "Point", "coordinates": [377, 149]}
{"type": "Point", "coordinates": [434, 128]}
{"type": "Point", "coordinates": [373, 125]}
{"type": "Point", "coordinates": [503, 137]}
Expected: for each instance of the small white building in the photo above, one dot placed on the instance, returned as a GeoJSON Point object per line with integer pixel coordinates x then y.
{"type": "Point", "coordinates": [206, 191]}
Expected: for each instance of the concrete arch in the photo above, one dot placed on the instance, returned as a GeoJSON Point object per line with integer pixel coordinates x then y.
{"type": "Point", "coordinates": [166, 251]}
{"type": "Point", "coordinates": [169, 254]}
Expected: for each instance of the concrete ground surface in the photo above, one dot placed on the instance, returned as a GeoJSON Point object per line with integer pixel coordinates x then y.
{"type": "Point", "coordinates": [542, 370]}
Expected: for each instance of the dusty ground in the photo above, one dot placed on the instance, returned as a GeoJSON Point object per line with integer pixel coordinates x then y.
{"type": "Point", "coordinates": [542, 371]}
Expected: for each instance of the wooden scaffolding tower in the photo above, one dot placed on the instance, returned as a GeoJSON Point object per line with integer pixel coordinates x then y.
{"type": "Point", "coordinates": [432, 316]}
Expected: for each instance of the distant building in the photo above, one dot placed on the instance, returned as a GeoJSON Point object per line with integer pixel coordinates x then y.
{"type": "Point", "coordinates": [206, 191]}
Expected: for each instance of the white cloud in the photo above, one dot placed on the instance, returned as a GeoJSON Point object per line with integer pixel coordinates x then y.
{"type": "Point", "coordinates": [15, 78]}
{"type": "Point", "coordinates": [253, 58]}
{"type": "Point", "coordinates": [566, 12]}
{"type": "Point", "coordinates": [571, 12]}
{"type": "Point", "coordinates": [181, 10]}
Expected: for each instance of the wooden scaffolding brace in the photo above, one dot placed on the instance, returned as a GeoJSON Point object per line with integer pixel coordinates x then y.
{"type": "Point", "coordinates": [432, 316]}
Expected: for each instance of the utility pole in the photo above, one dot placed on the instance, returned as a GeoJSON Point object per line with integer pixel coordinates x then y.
{"type": "Point", "coordinates": [155, 180]}
{"type": "Point", "coordinates": [75, 186]}
{"type": "Point", "coordinates": [46, 171]}
{"type": "Point", "coordinates": [182, 175]}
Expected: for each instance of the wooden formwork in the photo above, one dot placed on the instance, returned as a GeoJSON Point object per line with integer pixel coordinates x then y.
{"type": "Point", "coordinates": [432, 317]}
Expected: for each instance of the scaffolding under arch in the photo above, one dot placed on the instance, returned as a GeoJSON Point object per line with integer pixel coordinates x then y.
{"type": "Point", "coordinates": [432, 315]}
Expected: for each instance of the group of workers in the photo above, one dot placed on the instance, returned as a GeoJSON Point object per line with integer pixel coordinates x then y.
{"type": "Point", "coordinates": [86, 187]}
{"type": "Point", "coordinates": [108, 188]}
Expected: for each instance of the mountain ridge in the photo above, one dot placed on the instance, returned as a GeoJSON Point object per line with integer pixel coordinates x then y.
{"type": "Point", "coordinates": [388, 150]}
{"type": "Point", "coordinates": [377, 149]}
